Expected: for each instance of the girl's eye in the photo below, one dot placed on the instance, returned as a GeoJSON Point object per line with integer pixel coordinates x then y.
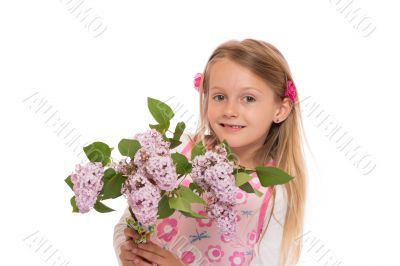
{"type": "Point", "coordinates": [218, 98]}
{"type": "Point", "coordinates": [250, 98]}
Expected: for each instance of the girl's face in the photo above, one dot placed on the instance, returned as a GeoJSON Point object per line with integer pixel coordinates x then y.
{"type": "Point", "coordinates": [239, 97]}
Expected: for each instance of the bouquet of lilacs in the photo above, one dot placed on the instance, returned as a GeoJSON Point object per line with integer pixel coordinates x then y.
{"type": "Point", "coordinates": [150, 176]}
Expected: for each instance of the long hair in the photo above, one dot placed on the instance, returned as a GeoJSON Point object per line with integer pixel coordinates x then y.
{"type": "Point", "coordinates": [283, 142]}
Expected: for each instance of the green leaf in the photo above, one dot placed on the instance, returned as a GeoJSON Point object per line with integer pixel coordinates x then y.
{"type": "Point", "coordinates": [241, 169]}
{"type": "Point", "coordinates": [128, 147]}
{"type": "Point", "coordinates": [270, 176]}
{"type": "Point", "coordinates": [98, 152]}
{"type": "Point", "coordinates": [164, 210]}
{"type": "Point", "coordinates": [73, 204]}
{"type": "Point", "coordinates": [194, 186]}
{"type": "Point", "coordinates": [161, 112]}
{"type": "Point", "coordinates": [230, 155]}
{"type": "Point", "coordinates": [242, 178]}
{"type": "Point", "coordinates": [193, 215]}
{"type": "Point", "coordinates": [179, 128]}
{"type": "Point", "coordinates": [175, 140]}
{"type": "Point", "coordinates": [161, 128]}
{"type": "Point", "coordinates": [174, 143]}
{"type": "Point", "coordinates": [113, 182]}
{"type": "Point", "coordinates": [69, 182]}
{"type": "Point", "coordinates": [181, 163]}
{"type": "Point", "coordinates": [249, 189]}
{"type": "Point", "coordinates": [100, 207]}
{"type": "Point", "coordinates": [258, 193]}
{"type": "Point", "coordinates": [247, 171]}
{"type": "Point", "coordinates": [179, 204]}
{"type": "Point", "coordinates": [198, 149]}
{"type": "Point", "coordinates": [108, 174]}
{"type": "Point", "coordinates": [188, 195]}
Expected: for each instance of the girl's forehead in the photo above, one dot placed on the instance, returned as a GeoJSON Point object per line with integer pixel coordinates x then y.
{"type": "Point", "coordinates": [227, 75]}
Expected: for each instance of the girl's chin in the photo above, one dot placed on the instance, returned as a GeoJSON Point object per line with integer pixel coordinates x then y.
{"type": "Point", "coordinates": [232, 142]}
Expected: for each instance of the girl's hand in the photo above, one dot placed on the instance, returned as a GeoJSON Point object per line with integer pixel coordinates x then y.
{"type": "Point", "coordinates": [126, 256]}
{"type": "Point", "coordinates": [148, 254]}
{"type": "Point", "coordinates": [153, 254]}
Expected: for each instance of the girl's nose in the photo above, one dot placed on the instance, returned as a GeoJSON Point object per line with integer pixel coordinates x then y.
{"type": "Point", "coordinates": [231, 109]}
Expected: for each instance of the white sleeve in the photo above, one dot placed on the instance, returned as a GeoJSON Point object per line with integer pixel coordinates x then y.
{"type": "Point", "coordinates": [267, 252]}
{"type": "Point", "coordinates": [119, 236]}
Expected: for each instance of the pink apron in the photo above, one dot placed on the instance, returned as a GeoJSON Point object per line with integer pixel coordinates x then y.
{"type": "Point", "coordinates": [198, 241]}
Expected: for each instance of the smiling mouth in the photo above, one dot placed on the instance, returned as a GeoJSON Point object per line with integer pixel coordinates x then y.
{"type": "Point", "coordinates": [231, 126]}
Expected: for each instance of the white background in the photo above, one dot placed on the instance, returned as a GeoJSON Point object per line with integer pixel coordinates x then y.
{"type": "Point", "coordinates": [98, 85]}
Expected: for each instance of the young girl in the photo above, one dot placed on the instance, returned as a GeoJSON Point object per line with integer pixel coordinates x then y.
{"type": "Point", "coordinates": [248, 97]}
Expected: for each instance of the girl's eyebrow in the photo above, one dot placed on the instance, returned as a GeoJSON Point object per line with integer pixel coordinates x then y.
{"type": "Point", "coordinates": [243, 89]}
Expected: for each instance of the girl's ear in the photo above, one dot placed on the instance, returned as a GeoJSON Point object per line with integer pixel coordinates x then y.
{"type": "Point", "coordinates": [283, 110]}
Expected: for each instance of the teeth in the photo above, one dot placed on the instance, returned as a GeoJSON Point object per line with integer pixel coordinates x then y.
{"type": "Point", "coordinates": [233, 126]}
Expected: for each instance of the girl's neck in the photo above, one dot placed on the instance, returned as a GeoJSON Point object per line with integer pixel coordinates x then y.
{"type": "Point", "coordinates": [245, 158]}
{"type": "Point", "coordinates": [251, 161]}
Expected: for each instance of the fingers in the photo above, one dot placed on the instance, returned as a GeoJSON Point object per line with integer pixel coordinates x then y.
{"type": "Point", "coordinates": [141, 262]}
{"type": "Point", "coordinates": [153, 248]}
{"type": "Point", "coordinates": [128, 258]}
{"type": "Point", "coordinates": [130, 233]}
{"type": "Point", "coordinates": [126, 251]}
{"type": "Point", "coordinates": [128, 245]}
{"type": "Point", "coordinates": [137, 261]}
{"type": "Point", "coordinates": [149, 252]}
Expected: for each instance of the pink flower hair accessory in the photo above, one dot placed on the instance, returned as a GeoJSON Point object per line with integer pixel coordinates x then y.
{"type": "Point", "coordinates": [290, 91]}
{"type": "Point", "coordinates": [197, 81]}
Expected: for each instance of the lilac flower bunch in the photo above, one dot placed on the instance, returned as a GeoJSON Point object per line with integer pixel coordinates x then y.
{"type": "Point", "coordinates": [213, 172]}
{"type": "Point", "coordinates": [143, 198]}
{"type": "Point", "coordinates": [153, 143]}
{"type": "Point", "coordinates": [155, 160]}
{"type": "Point", "coordinates": [125, 167]}
{"type": "Point", "coordinates": [155, 173]}
{"type": "Point", "coordinates": [87, 185]}
{"type": "Point", "coordinates": [149, 177]}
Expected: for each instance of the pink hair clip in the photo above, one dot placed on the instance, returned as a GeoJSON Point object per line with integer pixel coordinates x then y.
{"type": "Point", "coordinates": [197, 81]}
{"type": "Point", "coordinates": [290, 91]}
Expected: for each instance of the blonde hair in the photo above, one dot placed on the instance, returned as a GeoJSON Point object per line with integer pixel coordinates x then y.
{"type": "Point", "coordinates": [283, 143]}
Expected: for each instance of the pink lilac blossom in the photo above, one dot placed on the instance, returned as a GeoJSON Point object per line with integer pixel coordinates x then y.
{"type": "Point", "coordinates": [87, 184]}
{"type": "Point", "coordinates": [221, 182]}
{"type": "Point", "coordinates": [154, 171]}
{"type": "Point", "coordinates": [153, 142]}
{"type": "Point", "coordinates": [162, 171]}
{"type": "Point", "coordinates": [141, 157]}
{"type": "Point", "coordinates": [143, 198]}
{"type": "Point", "coordinates": [213, 172]}
{"type": "Point", "coordinates": [225, 216]}
{"type": "Point", "coordinates": [154, 158]}
{"type": "Point", "coordinates": [200, 165]}
{"type": "Point", "coordinates": [125, 167]}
